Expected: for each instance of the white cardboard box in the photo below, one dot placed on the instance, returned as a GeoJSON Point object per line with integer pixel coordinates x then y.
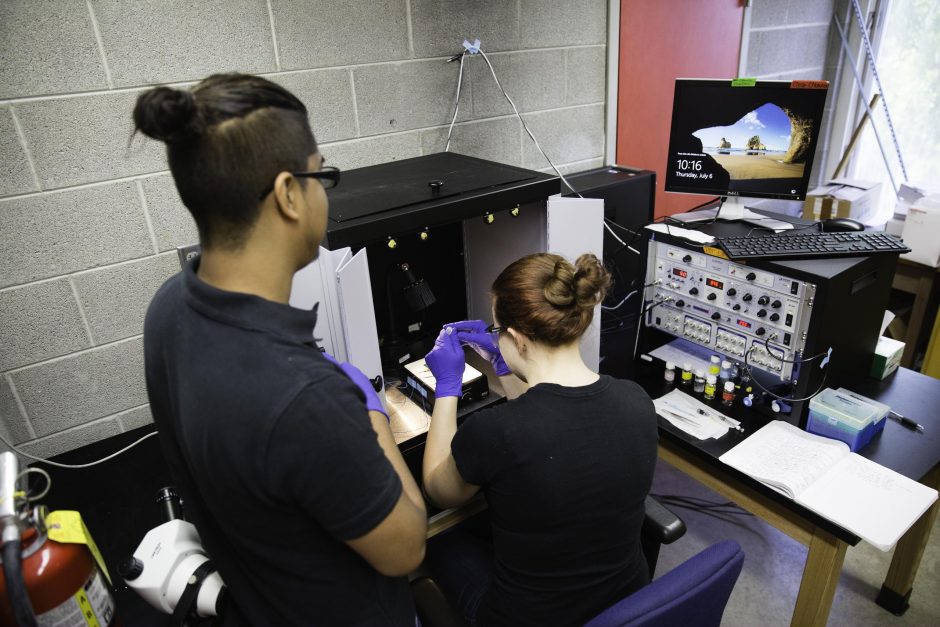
{"type": "Point", "coordinates": [845, 198]}
{"type": "Point", "coordinates": [922, 231]}
{"type": "Point", "coordinates": [910, 193]}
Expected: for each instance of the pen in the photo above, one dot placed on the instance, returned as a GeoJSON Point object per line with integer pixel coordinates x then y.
{"type": "Point", "coordinates": [905, 421]}
{"type": "Point", "coordinates": [721, 418]}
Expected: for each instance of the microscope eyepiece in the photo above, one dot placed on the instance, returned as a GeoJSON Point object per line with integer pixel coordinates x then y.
{"type": "Point", "coordinates": [169, 501]}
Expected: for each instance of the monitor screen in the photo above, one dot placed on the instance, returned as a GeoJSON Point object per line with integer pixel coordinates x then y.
{"type": "Point", "coordinates": [744, 137]}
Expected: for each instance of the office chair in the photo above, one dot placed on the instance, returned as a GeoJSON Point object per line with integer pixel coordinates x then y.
{"type": "Point", "coordinates": [694, 593]}
{"type": "Point", "coordinates": [660, 526]}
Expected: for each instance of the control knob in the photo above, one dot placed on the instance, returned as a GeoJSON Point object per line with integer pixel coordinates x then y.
{"type": "Point", "coordinates": [774, 317]}
{"type": "Point", "coordinates": [716, 316]}
{"type": "Point", "coordinates": [760, 331]}
{"type": "Point", "coordinates": [776, 304]}
{"type": "Point", "coordinates": [712, 296]}
{"type": "Point", "coordinates": [732, 291]}
{"type": "Point", "coordinates": [750, 276]}
{"type": "Point", "coordinates": [680, 303]}
{"type": "Point", "coordinates": [737, 307]}
{"type": "Point", "coordinates": [747, 298]}
{"type": "Point", "coordinates": [693, 291]}
{"type": "Point", "coordinates": [761, 313]}
{"type": "Point", "coordinates": [763, 300]}
{"type": "Point", "coordinates": [687, 259]}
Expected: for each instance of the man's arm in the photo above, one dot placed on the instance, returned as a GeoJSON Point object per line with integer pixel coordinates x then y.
{"type": "Point", "coordinates": [396, 546]}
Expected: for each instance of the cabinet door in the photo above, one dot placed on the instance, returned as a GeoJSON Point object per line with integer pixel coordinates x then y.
{"type": "Point", "coordinates": [576, 226]}
{"type": "Point", "coordinates": [338, 284]}
{"type": "Point", "coordinates": [314, 286]}
{"type": "Point", "coordinates": [356, 312]}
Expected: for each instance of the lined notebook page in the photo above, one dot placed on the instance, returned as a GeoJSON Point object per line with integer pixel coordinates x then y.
{"type": "Point", "coordinates": [871, 501]}
{"type": "Point", "coordinates": [785, 457]}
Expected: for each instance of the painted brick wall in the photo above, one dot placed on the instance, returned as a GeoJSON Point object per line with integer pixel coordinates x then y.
{"type": "Point", "coordinates": [89, 219]}
{"type": "Point", "coordinates": [795, 39]}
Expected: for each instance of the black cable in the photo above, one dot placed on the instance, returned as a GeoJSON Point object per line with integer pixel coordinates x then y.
{"type": "Point", "coordinates": [747, 367]}
{"type": "Point", "coordinates": [789, 361]}
{"type": "Point", "coordinates": [635, 234]}
{"type": "Point", "coordinates": [23, 614]}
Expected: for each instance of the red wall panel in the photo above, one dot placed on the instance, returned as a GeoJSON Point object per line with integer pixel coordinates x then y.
{"type": "Point", "coordinates": [660, 41]}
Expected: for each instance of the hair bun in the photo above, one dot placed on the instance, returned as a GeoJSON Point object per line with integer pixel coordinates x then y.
{"type": "Point", "coordinates": [166, 114]}
{"type": "Point", "coordinates": [559, 288]}
{"type": "Point", "coordinates": [591, 280]}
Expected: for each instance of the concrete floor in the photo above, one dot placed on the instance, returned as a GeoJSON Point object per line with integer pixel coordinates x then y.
{"type": "Point", "coordinates": [773, 565]}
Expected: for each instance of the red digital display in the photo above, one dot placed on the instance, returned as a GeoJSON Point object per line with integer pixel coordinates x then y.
{"type": "Point", "coordinates": [678, 272]}
{"type": "Point", "coordinates": [714, 283]}
{"type": "Point", "coordinates": [744, 323]}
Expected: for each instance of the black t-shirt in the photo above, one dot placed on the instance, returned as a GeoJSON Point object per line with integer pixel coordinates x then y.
{"type": "Point", "coordinates": [273, 450]}
{"type": "Point", "coordinates": [565, 471]}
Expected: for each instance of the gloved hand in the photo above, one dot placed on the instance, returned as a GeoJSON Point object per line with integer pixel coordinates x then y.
{"type": "Point", "coordinates": [373, 402]}
{"type": "Point", "coordinates": [473, 334]}
{"type": "Point", "coordinates": [446, 362]}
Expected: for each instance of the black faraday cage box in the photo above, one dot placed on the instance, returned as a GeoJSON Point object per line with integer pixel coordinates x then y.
{"type": "Point", "coordinates": [426, 224]}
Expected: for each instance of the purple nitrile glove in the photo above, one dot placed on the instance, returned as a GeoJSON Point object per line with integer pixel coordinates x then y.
{"type": "Point", "coordinates": [446, 362]}
{"type": "Point", "coordinates": [473, 334]}
{"type": "Point", "coordinates": [373, 402]}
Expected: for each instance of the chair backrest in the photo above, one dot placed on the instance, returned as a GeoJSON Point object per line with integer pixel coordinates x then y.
{"type": "Point", "coordinates": [692, 594]}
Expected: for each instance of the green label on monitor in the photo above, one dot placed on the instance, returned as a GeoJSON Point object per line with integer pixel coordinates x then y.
{"type": "Point", "coordinates": [743, 82]}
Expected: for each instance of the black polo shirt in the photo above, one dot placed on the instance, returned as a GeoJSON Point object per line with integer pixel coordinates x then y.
{"type": "Point", "coordinates": [273, 450]}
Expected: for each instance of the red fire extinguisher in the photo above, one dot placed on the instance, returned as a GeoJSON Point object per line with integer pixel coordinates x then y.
{"type": "Point", "coordinates": [63, 582]}
{"type": "Point", "coordinates": [50, 575]}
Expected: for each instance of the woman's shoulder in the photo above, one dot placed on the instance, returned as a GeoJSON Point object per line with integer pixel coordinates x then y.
{"type": "Point", "coordinates": [620, 386]}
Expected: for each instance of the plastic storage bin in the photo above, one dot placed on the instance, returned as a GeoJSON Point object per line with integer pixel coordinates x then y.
{"type": "Point", "coordinates": [845, 416]}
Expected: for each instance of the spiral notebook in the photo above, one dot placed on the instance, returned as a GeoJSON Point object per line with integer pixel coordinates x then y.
{"type": "Point", "coordinates": [822, 475]}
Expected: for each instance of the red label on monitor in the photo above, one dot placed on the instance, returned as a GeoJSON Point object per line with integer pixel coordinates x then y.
{"type": "Point", "coordinates": [809, 84]}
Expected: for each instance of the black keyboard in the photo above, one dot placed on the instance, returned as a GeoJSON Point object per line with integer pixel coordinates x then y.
{"type": "Point", "coordinates": [812, 245]}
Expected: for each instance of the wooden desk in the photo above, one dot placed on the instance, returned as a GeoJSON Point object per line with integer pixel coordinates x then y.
{"type": "Point", "coordinates": [910, 453]}
{"type": "Point", "coordinates": [916, 279]}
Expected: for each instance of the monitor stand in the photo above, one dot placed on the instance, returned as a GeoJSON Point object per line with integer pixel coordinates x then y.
{"type": "Point", "coordinates": [734, 213]}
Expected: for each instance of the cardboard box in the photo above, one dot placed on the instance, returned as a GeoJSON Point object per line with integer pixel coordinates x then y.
{"type": "Point", "coordinates": [895, 226]}
{"type": "Point", "coordinates": [910, 193]}
{"type": "Point", "coordinates": [887, 357]}
{"type": "Point", "coordinates": [922, 231]}
{"type": "Point", "coordinates": [844, 198]}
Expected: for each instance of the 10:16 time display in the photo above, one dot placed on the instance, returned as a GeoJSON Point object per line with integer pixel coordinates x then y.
{"type": "Point", "coordinates": [689, 164]}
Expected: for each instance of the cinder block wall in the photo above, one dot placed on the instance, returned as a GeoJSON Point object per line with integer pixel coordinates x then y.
{"type": "Point", "coordinates": [89, 220]}
{"type": "Point", "coordinates": [796, 40]}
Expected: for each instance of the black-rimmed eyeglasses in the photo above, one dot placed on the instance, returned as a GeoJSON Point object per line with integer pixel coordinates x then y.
{"type": "Point", "coordinates": [494, 331]}
{"type": "Point", "coordinates": [328, 176]}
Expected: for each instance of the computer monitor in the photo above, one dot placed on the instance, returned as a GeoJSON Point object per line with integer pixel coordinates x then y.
{"type": "Point", "coordinates": [744, 137]}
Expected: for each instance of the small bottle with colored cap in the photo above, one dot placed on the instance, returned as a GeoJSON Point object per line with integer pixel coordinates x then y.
{"type": "Point", "coordinates": [711, 384]}
{"type": "Point", "coordinates": [669, 374]}
{"type": "Point", "coordinates": [727, 395]}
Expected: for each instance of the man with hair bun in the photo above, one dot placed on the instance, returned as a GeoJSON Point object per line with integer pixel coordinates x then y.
{"type": "Point", "coordinates": [565, 465]}
{"type": "Point", "coordinates": [284, 458]}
